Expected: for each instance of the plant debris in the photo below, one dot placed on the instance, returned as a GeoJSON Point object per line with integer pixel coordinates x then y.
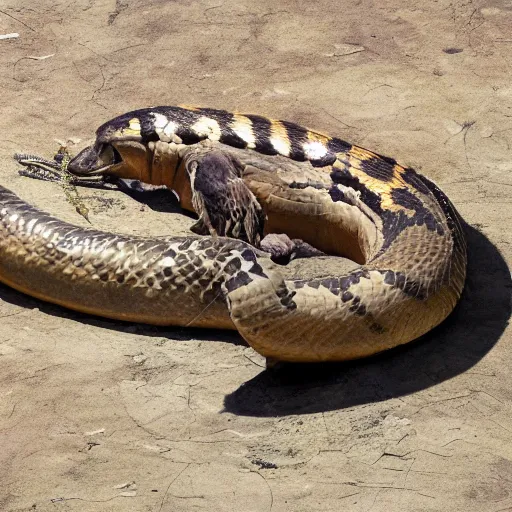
{"type": "Point", "coordinates": [57, 170]}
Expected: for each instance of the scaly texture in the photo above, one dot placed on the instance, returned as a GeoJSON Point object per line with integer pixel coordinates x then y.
{"type": "Point", "coordinates": [337, 197]}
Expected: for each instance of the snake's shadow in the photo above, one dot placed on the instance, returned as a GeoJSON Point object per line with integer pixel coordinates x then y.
{"type": "Point", "coordinates": [159, 199]}
{"type": "Point", "coordinates": [449, 350]}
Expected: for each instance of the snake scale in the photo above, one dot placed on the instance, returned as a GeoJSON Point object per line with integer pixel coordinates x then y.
{"type": "Point", "coordinates": [262, 189]}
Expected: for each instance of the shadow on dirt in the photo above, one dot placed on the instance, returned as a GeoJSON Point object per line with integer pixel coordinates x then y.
{"type": "Point", "coordinates": [449, 350]}
{"type": "Point", "coordinates": [158, 199]}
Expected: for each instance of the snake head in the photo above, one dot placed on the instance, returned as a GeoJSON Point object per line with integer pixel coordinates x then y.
{"type": "Point", "coordinates": [118, 151]}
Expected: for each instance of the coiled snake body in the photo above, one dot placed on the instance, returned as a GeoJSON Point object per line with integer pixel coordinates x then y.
{"type": "Point", "coordinates": [247, 177]}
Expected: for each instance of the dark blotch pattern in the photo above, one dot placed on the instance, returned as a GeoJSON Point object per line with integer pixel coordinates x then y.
{"type": "Point", "coordinates": [303, 185]}
{"type": "Point", "coordinates": [224, 118]}
{"type": "Point", "coordinates": [286, 297]}
{"type": "Point", "coordinates": [187, 242]}
{"type": "Point", "coordinates": [261, 129]}
{"type": "Point", "coordinates": [336, 194]}
{"type": "Point", "coordinates": [297, 136]}
{"type": "Point", "coordinates": [411, 177]}
{"type": "Point", "coordinates": [339, 287]}
{"type": "Point", "coordinates": [377, 328]}
{"type": "Point", "coordinates": [233, 266]}
{"type": "Point", "coordinates": [327, 159]}
{"type": "Point", "coordinates": [336, 145]}
{"type": "Point", "coordinates": [147, 129]}
{"type": "Point", "coordinates": [405, 198]}
{"type": "Point", "coordinates": [409, 287]}
{"type": "Point", "coordinates": [379, 168]}
{"type": "Point", "coordinates": [249, 255]}
{"type": "Point", "coordinates": [346, 296]}
{"type": "Point", "coordinates": [240, 279]}
{"type": "Point", "coordinates": [256, 268]}
{"type": "Point", "coordinates": [342, 176]}
{"type": "Point", "coordinates": [393, 223]}
{"type": "Point", "coordinates": [358, 309]}
{"type": "Point", "coordinates": [332, 284]}
{"type": "Point", "coordinates": [336, 285]}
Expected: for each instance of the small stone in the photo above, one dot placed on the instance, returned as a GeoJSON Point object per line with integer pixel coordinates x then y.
{"type": "Point", "coordinates": [345, 49]}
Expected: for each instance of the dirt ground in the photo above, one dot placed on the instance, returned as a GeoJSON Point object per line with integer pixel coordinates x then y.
{"type": "Point", "coordinates": [103, 416]}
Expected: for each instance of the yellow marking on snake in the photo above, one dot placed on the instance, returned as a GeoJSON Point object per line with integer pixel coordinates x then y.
{"type": "Point", "coordinates": [242, 126]}
{"type": "Point", "coordinates": [279, 138]}
{"type": "Point", "coordinates": [132, 129]}
{"type": "Point", "coordinates": [355, 157]}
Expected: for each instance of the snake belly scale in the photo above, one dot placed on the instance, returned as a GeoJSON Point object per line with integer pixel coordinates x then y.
{"type": "Point", "coordinates": [247, 176]}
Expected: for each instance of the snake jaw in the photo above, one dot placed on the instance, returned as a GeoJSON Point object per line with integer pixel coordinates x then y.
{"type": "Point", "coordinates": [92, 160]}
{"type": "Point", "coordinates": [125, 159]}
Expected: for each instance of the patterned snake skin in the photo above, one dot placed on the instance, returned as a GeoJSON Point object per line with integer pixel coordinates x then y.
{"type": "Point", "coordinates": [249, 178]}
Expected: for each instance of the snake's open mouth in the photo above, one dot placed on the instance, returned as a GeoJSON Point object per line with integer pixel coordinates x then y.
{"type": "Point", "coordinates": [121, 158]}
{"type": "Point", "coordinates": [95, 160]}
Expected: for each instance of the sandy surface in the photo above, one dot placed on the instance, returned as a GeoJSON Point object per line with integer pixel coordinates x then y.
{"type": "Point", "coordinates": [103, 416]}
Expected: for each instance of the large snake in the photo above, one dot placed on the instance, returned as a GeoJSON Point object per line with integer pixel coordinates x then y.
{"type": "Point", "coordinates": [247, 176]}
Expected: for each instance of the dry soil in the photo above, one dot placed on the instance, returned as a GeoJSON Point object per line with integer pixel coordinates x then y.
{"type": "Point", "coordinates": [104, 416]}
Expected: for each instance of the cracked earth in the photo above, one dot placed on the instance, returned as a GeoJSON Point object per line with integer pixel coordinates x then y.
{"type": "Point", "coordinates": [104, 416]}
